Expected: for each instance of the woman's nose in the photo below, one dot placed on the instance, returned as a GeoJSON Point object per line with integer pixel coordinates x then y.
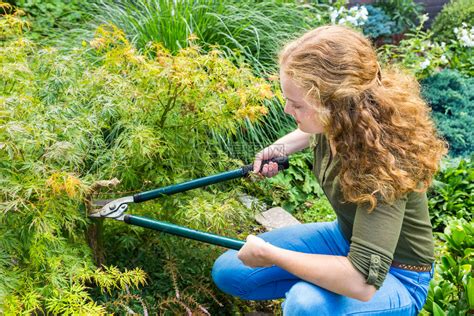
{"type": "Point", "coordinates": [287, 108]}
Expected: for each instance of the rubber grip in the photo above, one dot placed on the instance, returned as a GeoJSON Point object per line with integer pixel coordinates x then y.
{"type": "Point", "coordinates": [283, 163]}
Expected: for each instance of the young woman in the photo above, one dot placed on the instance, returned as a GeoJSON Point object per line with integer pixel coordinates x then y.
{"type": "Point", "coordinates": [375, 153]}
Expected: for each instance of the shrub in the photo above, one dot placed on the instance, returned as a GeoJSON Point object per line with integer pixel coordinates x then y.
{"type": "Point", "coordinates": [451, 291]}
{"type": "Point", "coordinates": [378, 23]}
{"type": "Point", "coordinates": [96, 112]}
{"type": "Point", "coordinates": [179, 268]}
{"type": "Point", "coordinates": [422, 56]}
{"type": "Point", "coordinates": [453, 15]}
{"type": "Point", "coordinates": [461, 51]}
{"type": "Point", "coordinates": [451, 97]}
{"type": "Point", "coordinates": [243, 29]}
{"type": "Point", "coordinates": [416, 52]}
{"type": "Point", "coordinates": [405, 13]}
{"type": "Point", "coordinates": [293, 188]}
{"type": "Point", "coordinates": [48, 16]}
{"type": "Point", "coordinates": [452, 194]}
{"type": "Point", "coordinates": [316, 210]}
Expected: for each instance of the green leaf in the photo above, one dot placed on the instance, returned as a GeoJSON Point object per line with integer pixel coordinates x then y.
{"type": "Point", "coordinates": [437, 311]}
{"type": "Point", "coordinates": [470, 292]}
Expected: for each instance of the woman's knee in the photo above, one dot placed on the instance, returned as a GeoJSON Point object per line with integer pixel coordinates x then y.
{"type": "Point", "coordinates": [228, 273]}
{"type": "Point", "coordinates": [221, 271]}
{"type": "Point", "coordinates": [307, 299]}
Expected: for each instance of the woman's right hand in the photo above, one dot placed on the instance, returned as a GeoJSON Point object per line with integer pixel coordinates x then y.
{"type": "Point", "coordinates": [269, 169]}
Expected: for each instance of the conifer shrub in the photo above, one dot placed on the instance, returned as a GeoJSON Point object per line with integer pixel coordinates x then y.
{"type": "Point", "coordinates": [378, 23]}
{"type": "Point", "coordinates": [451, 96]}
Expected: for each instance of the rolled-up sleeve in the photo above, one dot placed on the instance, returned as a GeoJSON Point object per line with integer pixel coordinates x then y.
{"type": "Point", "coordinates": [374, 239]}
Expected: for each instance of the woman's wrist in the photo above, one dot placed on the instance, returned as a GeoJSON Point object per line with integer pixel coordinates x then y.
{"type": "Point", "coordinates": [272, 254]}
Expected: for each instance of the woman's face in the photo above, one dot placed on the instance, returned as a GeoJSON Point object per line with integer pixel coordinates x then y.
{"type": "Point", "coordinates": [304, 113]}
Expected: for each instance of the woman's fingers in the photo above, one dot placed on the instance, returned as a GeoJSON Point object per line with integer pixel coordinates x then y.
{"type": "Point", "coordinates": [270, 169]}
{"type": "Point", "coordinates": [273, 169]}
{"type": "Point", "coordinates": [257, 164]}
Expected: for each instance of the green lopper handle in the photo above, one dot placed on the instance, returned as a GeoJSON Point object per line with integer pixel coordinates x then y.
{"type": "Point", "coordinates": [184, 232]}
{"type": "Point", "coordinates": [201, 182]}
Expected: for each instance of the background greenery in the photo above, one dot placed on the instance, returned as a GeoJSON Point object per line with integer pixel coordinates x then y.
{"type": "Point", "coordinates": [453, 15]}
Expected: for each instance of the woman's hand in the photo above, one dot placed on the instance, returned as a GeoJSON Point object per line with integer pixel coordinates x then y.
{"type": "Point", "coordinates": [256, 252]}
{"type": "Point", "coordinates": [268, 169]}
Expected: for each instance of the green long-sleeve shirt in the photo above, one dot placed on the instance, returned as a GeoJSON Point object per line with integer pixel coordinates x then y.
{"type": "Point", "coordinates": [401, 231]}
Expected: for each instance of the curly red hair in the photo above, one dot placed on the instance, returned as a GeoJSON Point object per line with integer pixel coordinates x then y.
{"type": "Point", "coordinates": [378, 122]}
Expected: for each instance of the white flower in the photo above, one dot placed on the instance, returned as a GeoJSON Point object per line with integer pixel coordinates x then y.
{"type": "Point", "coordinates": [424, 64]}
{"type": "Point", "coordinates": [363, 12]}
{"type": "Point", "coordinates": [334, 14]}
{"type": "Point", "coordinates": [443, 59]}
{"type": "Point", "coordinates": [351, 20]}
{"type": "Point", "coordinates": [465, 36]}
{"type": "Point", "coordinates": [342, 21]}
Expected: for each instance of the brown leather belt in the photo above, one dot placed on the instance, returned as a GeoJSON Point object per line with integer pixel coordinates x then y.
{"type": "Point", "coordinates": [417, 268]}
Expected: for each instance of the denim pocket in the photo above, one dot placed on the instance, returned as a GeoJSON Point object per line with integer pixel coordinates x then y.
{"type": "Point", "coordinates": [417, 284]}
{"type": "Point", "coordinates": [424, 278]}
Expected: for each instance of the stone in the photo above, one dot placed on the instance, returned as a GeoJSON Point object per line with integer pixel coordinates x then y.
{"type": "Point", "coordinates": [276, 217]}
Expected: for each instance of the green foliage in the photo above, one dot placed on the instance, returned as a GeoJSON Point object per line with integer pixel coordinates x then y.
{"type": "Point", "coordinates": [451, 96]}
{"type": "Point", "coordinates": [296, 186]}
{"type": "Point", "coordinates": [418, 53]}
{"type": "Point", "coordinates": [243, 29]}
{"type": "Point", "coordinates": [461, 51]}
{"type": "Point", "coordinates": [451, 291]}
{"type": "Point", "coordinates": [316, 210]}
{"type": "Point", "coordinates": [164, 21]}
{"type": "Point", "coordinates": [68, 119]}
{"type": "Point", "coordinates": [453, 15]}
{"type": "Point", "coordinates": [378, 23]}
{"type": "Point", "coordinates": [12, 22]}
{"type": "Point", "coordinates": [52, 19]}
{"type": "Point", "coordinates": [50, 11]}
{"type": "Point", "coordinates": [452, 194]}
{"type": "Point", "coordinates": [405, 13]}
{"type": "Point", "coordinates": [179, 269]}
{"type": "Point", "coordinates": [251, 137]}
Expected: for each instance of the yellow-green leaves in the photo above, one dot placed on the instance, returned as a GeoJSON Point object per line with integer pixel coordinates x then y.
{"type": "Point", "coordinates": [99, 111]}
{"type": "Point", "coordinates": [11, 21]}
{"type": "Point", "coordinates": [189, 86]}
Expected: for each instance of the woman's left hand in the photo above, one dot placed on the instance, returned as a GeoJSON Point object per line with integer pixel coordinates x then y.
{"type": "Point", "coordinates": [256, 252]}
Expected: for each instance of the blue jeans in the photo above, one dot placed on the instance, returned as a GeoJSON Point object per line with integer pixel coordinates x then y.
{"type": "Point", "coordinates": [403, 292]}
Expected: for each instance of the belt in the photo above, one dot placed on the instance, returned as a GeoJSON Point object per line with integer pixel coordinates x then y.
{"type": "Point", "coordinates": [418, 268]}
